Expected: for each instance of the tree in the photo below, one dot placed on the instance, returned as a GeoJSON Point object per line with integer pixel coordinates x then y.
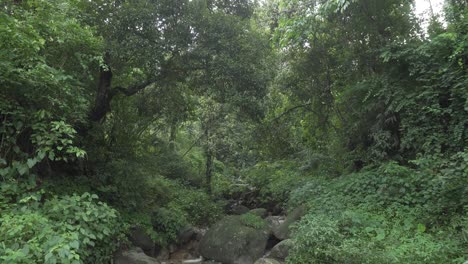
{"type": "Point", "coordinates": [229, 74]}
{"type": "Point", "coordinates": [47, 57]}
{"type": "Point", "coordinates": [332, 64]}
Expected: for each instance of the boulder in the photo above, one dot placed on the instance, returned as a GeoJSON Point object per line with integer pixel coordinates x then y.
{"type": "Point", "coordinates": [281, 250]}
{"type": "Point", "coordinates": [186, 235]}
{"type": "Point", "coordinates": [163, 254]}
{"type": "Point", "coordinates": [267, 261]}
{"type": "Point", "coordinates": [262, 212]}
{"type": "Point", "coordinates": [274, 222]}
{"type": "Point", "coordinates": [283, 231]}
{"type": "Point", "coordinates": [231, 242]}
{"type": "Point", "coordinates": [133, 256]}
{"type": "Point", "coordinates": [239, 209]}
{"type": "Point", "coordinates": [140, 239]}
{"type": "Point", "coordinates": [181, 255]}
{"type": "Point", "coordinates": [199, 233]}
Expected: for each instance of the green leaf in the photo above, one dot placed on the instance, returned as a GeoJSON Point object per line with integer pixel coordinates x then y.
{"type": "Point", "coordinates": [22, 169]}
{"type": "Point", "coordinates": [380, 234]}
{"type": "Point", "coordinates": [16, 149]}
{"type": "Point", "coordinates": [421, 228]}
{"type": "Point", "coordinates": [41, 155]}
{"type": "Point", "coordinates": [31, 163]}
{"type": "Point", "coordinates": [75, 244]}
{"type": "Point", "coordinates": [4, 172]}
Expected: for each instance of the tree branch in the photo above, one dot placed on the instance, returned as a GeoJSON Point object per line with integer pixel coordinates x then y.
{"type": "Point", "coordinates": [287, 112]}
{"type": "Point", "coordinates": [132, 89]}
{"type": "Point", "coordinates": [306, 105]}
{"type": "Point", "coordinates": [193, 145]}
{"type": "Point", "coordinates": [105, 93]}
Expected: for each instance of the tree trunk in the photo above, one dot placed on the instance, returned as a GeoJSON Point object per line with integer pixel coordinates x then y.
{"type": "Point", "coordinates": [173, 135]}
{"type": "Point", "coordinates": [105, 92]}
{"type": "Point", "coordinates": [209, 161]}
{"type": "Point", "coordinates": [103, 95]}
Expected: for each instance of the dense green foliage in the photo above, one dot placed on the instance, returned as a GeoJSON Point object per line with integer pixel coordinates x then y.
{"type": "Point", "coordinates": [162, 114]}
{"type": "Point", "coordinates": [365, 88]}
{"type": "Point", "coordinates": [396, 213]}
{"type": "Point", "coordinates": [66, 229]}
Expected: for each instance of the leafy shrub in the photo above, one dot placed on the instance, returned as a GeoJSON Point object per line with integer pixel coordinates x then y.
{"type": "Point", "coordinates": [160, 205]}
{"type": "Point", "coordinates": [30, 237]}
{"type": "Point", "coordinates": [167, 223]}
{"type": "Point", "coordinates": [94, 221]}
{"type": "Point", "coordinates": [184, 206]}
{"type": "Point", "coordinates": [67, 229]}
{"type": "Point", "coordinates": [316, 239]}
{"type": "Point", "coordinates": [127, 185]}
{"type": "Point", "coordinates": [387, 184]}
{"type": "Point", "coordinates": [385, 214]}
{"type": "Point", "coordinates": [226, 185]}
{"type": "Point", "coordinates": [173, 166]}
{"type": "Point", "coordinates": [437, 188]}
{"type": "Point", "coordinates": [360, 236]}
{"type": "Point", "coordinates": [197, 205]}
{"type": "Point", "coordinates": [316, 193]}
{"type": "Point", "coordinates": [274, 181]}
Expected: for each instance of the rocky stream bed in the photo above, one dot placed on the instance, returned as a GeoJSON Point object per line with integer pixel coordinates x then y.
{"type": "Point", "coordinates": [232, 240]}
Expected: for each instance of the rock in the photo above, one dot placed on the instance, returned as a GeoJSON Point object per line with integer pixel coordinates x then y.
{"type": "Point", "coordinates": [274, 222]}
{"type": "Point", "coordinates": [231, 242]}
{"type": "Point", "coordinates": [186, 235]}
{"type": "Point", "coordinates": [181, 255]}
{"type": "Point", "coordinates": [267, 261]}
{"type": "Point", "coordinates": [281, 250]}
{"type": "Point", "coordinates": [133, 256]}
{"type": "Point", "coordinates": [262, 212]}
{"type": "Point", "coordinates": [283, 231]}
{"type": "Point", "coordinates": [199, 233]}
{"type": "Point", "coordinates": [163, 254]}
{"type": "Point", "coordinates": [172, 248]}
{"type": "Point", "coordinates": [140, 239]}
{"type": "Point", "coordinates": [194, 261]}
{"type": "Point", "coordinates": [239, 209]}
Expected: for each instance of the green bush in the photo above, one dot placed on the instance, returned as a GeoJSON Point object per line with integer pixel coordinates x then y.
{"type": "Point", "coordinates": [162, 206]}
{"type": "Point", "coordinates": [385, 214]}
{"type": "Point", "coordinates": [178, 207]}
{"type": "Point", "coordinates": [316, 240]}
{"type": "Point", "coordinates": [66, 229]}
{"type": "Point", "coordinates": [167, 223]}
{"type": "Point", "coordinates": [274, 181]}
{"type": "Point", "coordinates": [200, 208]}
{"type": "Point", "coordinates": [94, 221]}
{"type": "Point", "coordinates": [360, 236]}
{"type": "Point", "coordinates": [30, 237]}
{"type": "Point", "coordinates": [317, 193]}
{"type": "Point", "coordinates": [390, 183]}
{"type": "Point", "coordinates": [438, 187]}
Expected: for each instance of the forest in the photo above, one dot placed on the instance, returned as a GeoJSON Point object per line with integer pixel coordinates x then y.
{"type": "Point", "coordinates": [233, 132]}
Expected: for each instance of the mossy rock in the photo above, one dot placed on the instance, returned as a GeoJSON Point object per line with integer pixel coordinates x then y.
{"type": "Point", "coordinates": [267, 261]}
{"type": "Point", "coordinates": [281, 250]}
{"type": "Point", "coordinates": [254, 221]}
{"type": "Point", "coordinates": [261, 212]}
{"type": "Point", "coordinates": [283, 231]}
{"type": "Point", "coordinates": [230, 241]}
{"type": "Point", "coordinates": [134, 256]}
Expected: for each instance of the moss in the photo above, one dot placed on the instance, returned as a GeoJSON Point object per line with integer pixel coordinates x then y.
{"type": "Point", "coordinates": [252, 220]}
